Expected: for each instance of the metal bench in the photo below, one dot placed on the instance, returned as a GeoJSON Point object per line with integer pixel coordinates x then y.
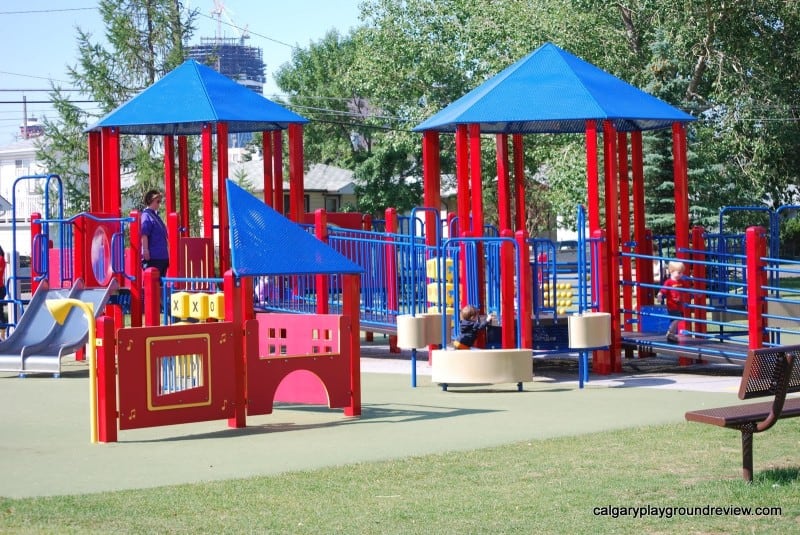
{"type": "Point", "coordinates": [773, 371]}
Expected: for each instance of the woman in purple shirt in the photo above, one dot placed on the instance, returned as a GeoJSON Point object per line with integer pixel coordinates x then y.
{"type": "Point", "coordinates": [154, 234]}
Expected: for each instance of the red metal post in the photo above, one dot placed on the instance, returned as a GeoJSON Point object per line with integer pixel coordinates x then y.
{"type": "Point", "coordinates": [612, 245]}
{"type": "Point", "coordinates": [463, 203]}
{"type": "Point", "coordinates": [106, 380]}
{"type": "Point", "coordinates": [592, 177]}
{"type": "Point", "coordinates": [321, 231]}
{"type": "Point", "coordinates": [183, 180]}
{"type": "Point", "coordinates": [207, 159]}
{"type": "Point", "coordinates": [680, 175]}
{"type": "Point", "coordinates": [277, 170]}
{"type": "Point", "coordinates": [507, 294]}
{"type": "Point", "coordinates": [601, 359]}
{"type": "Point", "coordinates": [520, 213]}
{"type": "Point", "coordinates": [222, 197]}
{"type": "Point", "coordinates": [644, 271]}
{"type": "Point", "coordinates": [699, 278]}
{"type": "Point", "coordinates": [351, 296]}
{"type": "Point", "coordinates": [233, 314]}
{"type": "Point", "coordinates": [36, 229]}
{"type": "Point", "coordinates": [266, 149]}
{"type": "Point", "coordinates": [503, 183]}
{"type": "Point", "coordinates": [525, 289]}
{"type": "Point", "coordinates": [95, 172]}
{"type": "Point", "coordinates": [112, 197]}
{"type": "Point", "coordinates": [462, 180]}
{"type": "Point", "coordinates": [152, 297]}
{"type": "Point", "coordinates": [625, 225]}
{"type": "Point", "coordinates": [390, 250]}
{"type": "Point", "coordinates": [169, 174]}
{"type": "Point", "coordinates": [476, 186]}
{"type": "Point", "coordinates": [432, 181]}
{"type": "Point", "coordinates": [173, 234]}
{"type": "Point", "coordinates": [296, 188]}
{"type": "Point", "coordinates": [756, 250]}
{"type": "Point", "coordinates": [137, 293]}
{"type": "Point", "coordinates": [431, 175]}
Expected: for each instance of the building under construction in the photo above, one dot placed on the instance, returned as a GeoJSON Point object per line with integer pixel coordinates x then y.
{"type": "Point", "coordinates": [243, 64]}
{"type": "Point", "coordinates": [229, 56]}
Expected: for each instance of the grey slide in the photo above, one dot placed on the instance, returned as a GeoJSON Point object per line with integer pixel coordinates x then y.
{"type": "Point", "coordinates": [45, 355]}
{"type": "Point", "coordinates": [34, 325]}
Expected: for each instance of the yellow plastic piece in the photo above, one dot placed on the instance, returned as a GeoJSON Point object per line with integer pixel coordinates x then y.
{"type": "Point", "coordinates": [216, 306]}
{"type": "Point", "coordinates": [433, 293]}
{"type": "Point", "coordinates": [198, 306]}
{"type": "Point", "coordinates": [450, 311]}
{"type": "Point", "coordinates": [446, 270]}
{"type": "Point", "coordinates": [179, 305]}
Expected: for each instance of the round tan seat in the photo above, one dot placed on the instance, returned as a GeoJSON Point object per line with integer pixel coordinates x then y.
{"type": "Point", "coordinates": [481, 366]}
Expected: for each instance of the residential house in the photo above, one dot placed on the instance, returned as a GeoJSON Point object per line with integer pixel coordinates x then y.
{"type": "Point", "coordinates": [326, 186]}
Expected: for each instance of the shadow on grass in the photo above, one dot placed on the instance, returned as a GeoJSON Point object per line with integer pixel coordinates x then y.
{"type": "Point", "coordinates": [781, 476]}
{"type": "Point", "coordinates": [370, 414]}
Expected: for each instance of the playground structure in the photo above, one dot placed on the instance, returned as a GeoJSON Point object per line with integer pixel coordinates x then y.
{"type": "Point", "coordinates": [292, 321]}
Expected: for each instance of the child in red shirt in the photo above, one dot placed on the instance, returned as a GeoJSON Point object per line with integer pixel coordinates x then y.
{"type": "Point", "coordinates": [675, 297]}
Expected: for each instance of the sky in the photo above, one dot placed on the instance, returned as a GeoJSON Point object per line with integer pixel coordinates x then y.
{"type": "Point", "coordinates": [38, 41]}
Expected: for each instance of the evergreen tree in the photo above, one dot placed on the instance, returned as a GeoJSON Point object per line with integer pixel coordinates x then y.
{"type": "Point", "coordinates": [145, 40]}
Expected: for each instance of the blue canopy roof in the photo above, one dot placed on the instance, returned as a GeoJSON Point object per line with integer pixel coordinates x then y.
{"type": "Point", "coordinates": [191, 95]}
{"type": "Point", "coordinates": [263, 242]}
{"type": "Point", "coordinates": [552, 91]}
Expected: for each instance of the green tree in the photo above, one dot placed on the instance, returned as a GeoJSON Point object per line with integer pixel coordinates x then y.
{"type": "Point", "coordinates": [388, 178]}
{"type": "Point", "coordinates": [349, 130]}
{"type": "Point", "coordinates": [320, 86]}
{"type": "Point", "coordinates": [144, 40]}
{"type": "Point", "coordinates": [734, 65]}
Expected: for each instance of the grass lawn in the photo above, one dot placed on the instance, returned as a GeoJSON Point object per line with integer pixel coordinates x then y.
{"type": "Point", "coordinates": [789, 283]}
{"type": "Point", "coordinates": [564, 485]}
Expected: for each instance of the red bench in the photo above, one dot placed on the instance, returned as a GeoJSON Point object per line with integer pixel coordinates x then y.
{"type": "Point", "coordinates": [773, 371]}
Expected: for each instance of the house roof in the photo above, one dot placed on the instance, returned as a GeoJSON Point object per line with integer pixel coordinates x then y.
{"type": "Point", "coordinates": [263, 242]}
{"type": "Point", "coordinates": [322, 177]}
{"type": "Point", "coordinates": [192, 95]}
{"type": "Point", "coordinates": [20, 147]}
{"type": "Point", "coordinates": [552, 91]}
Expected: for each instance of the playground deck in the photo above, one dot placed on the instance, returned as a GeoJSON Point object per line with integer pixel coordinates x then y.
{"type": "Point", "coordinates": [697, 348]}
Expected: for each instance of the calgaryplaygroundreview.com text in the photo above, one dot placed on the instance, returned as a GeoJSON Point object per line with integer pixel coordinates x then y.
{"type": "Point", "coordinates": [642, 511]}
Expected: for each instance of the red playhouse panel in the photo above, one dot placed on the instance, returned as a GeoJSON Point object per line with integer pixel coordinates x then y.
{"type": "Point", "coordinates": [195, 258]}
{"type": "Point", "coordinates": [92, 249]}
{"type": "Point", "coordinates": [175, 374]}
{"type": "Point", "coordinates": [56, 266]}
{"type": "Point", "coordinates": [302, 386]}
{"type": "Point", "coordinates": [299, 360]}
{"type": "Point", "coordinates": [348, 220]}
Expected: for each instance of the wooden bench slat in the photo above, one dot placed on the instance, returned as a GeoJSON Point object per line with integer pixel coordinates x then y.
{"type": "Point", "coordinates": [735, 416]}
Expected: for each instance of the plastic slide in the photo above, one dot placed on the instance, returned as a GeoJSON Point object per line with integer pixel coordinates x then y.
{"type": "Point", "coordinates": [45, 355]}
{"type": "Point", "coordinates": [34, 325]}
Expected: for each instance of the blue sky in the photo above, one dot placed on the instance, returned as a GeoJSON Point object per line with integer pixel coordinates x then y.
{"type": "Point", "coordinates": [38, 40]}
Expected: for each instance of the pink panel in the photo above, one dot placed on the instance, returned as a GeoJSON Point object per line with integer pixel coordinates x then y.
{"type": "Point", "coordinates": [302, 386]}
{"type": "Point", "coordinates": [54, 271]}
{"type": "Point", "coordinates": [300, 360]}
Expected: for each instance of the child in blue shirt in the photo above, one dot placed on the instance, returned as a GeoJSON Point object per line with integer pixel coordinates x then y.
{"type": "Point", "coordinates": [470, 326]}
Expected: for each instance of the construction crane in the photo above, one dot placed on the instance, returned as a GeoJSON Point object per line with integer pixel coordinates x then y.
{"type": "Point", "coordinates": [220, 11]}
